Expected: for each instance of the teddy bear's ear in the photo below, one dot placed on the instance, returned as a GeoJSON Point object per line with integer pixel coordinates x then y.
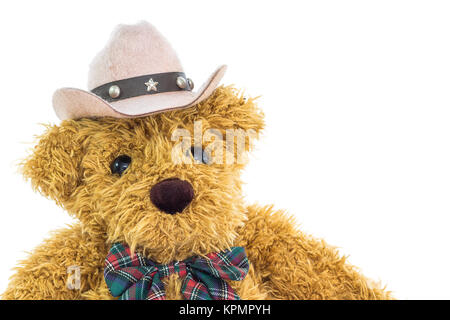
{"type": "Point", "coordinates": [228, 108]}
{"type": "Point", "coordinates": [54, 164]}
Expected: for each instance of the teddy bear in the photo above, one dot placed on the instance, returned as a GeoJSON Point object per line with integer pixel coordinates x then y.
{"type": "Point", "coordinates": [160, 212]}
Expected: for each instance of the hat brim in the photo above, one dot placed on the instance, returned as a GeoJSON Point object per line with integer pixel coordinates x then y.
{"type": "Point", "coordinates": [72, 103]}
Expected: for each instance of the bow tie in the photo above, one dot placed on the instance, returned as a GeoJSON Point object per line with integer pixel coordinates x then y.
{"type": "Point", "coordinates": [133, 277]}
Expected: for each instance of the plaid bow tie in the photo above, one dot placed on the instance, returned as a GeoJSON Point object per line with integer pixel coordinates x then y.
{"type": "Point", "coordinates": [133, 277]}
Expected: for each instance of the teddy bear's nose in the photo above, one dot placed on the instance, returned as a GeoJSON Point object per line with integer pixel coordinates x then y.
{"type": "Point", "coordinates": [172, 195]}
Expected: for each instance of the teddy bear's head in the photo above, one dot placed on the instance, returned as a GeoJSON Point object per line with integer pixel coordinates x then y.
{"type": "Point", "coordinates": [147, 181]}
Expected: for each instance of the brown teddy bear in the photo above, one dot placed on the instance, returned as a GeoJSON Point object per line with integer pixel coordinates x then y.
{"type": "Point", "coordinates": [161, 215]}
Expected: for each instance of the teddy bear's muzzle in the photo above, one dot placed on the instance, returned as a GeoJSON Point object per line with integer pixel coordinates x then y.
{"type": "Point", "coordinates": [172, 195]}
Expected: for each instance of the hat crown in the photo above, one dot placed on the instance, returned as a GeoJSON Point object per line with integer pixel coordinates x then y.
{"type": "Point", "coordinates": [132, 51]}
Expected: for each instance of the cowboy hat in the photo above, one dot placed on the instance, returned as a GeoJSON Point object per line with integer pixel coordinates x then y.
{"type": "Point", "coordinates": [136, 74]}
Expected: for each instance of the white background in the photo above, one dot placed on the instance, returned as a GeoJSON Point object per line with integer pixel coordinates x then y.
{"type": "Point", "coordinates": [357, 101]}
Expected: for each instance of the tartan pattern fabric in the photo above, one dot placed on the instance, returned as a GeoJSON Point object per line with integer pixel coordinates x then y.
{"type": "Point", "coordinates": [133, 277]}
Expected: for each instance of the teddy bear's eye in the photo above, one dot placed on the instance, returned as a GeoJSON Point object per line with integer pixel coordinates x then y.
{"type": "Point", "coordinates": [120, 164]}
{"type": "Point", "coordinates": [200, 155]}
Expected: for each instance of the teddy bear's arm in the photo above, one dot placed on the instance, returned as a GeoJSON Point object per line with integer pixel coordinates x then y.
{"type": "Point", "coordinates": [292, 265]}
{"type": "Point", "coordinates": [44, 274]}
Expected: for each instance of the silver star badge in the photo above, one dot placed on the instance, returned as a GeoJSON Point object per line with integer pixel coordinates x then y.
{"type": "Point", "coordinates": [151, 85]}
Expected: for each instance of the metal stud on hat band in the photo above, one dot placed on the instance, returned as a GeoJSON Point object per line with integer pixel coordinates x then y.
{"type": "Point", "coordinates": [190, 83]}
{"type": "Point", "coordinates": [181, 82]}
{"type": "Point", "coordinates": [114, 91]}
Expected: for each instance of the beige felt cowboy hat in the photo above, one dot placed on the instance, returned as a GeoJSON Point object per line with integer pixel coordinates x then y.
{"type": "Point", "coordinates": [137, 73]}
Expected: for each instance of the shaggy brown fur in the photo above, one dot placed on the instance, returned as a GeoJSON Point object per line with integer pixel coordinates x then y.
{"type": "Point", "coordinates": [71, 165]}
